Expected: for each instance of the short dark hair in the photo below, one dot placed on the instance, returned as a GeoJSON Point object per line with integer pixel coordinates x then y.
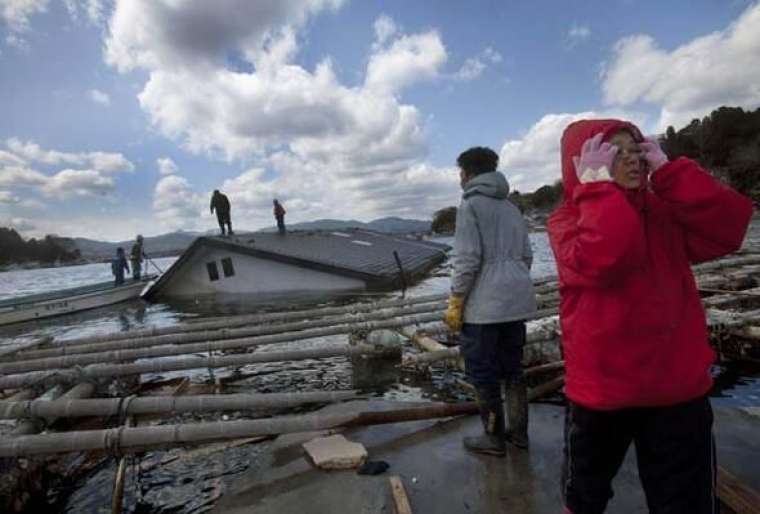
{"type": "Point", "coordinates": [477, 160]}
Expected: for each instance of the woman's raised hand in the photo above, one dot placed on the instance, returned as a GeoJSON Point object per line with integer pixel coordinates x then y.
{"type": "Point", "coordinates": [595, 162]}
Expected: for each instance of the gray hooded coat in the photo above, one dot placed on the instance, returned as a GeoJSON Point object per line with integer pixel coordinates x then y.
{"type": "Point", "coordinates": [492, 254]}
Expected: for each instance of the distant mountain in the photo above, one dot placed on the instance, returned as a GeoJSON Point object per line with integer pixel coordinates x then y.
{"type": "Point", "coordinates": [174, 243]}
{"type": "Point", "coordinates": [389, 225]}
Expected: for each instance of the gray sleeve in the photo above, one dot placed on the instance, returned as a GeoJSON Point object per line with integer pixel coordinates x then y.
{"type": "Point", "coordinates": [527, 255]}
{"type": "Point", "coordinates": [468, 251]}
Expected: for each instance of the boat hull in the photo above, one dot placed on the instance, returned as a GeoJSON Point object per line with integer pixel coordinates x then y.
{"type": "Point", "coordinates": [56, 306]}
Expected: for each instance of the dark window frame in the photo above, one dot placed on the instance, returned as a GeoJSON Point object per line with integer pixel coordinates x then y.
{"type": "Point", "coordinates": [213, 271]}
{"type": "Point", "coordinates": [227, 267]}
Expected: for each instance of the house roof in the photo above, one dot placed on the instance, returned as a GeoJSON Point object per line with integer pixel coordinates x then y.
{"type": "Point", "coordinates": [356, 253]}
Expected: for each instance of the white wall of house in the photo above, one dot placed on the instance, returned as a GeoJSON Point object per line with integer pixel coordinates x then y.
{"type": "Point", "coordinates": [252, 275]}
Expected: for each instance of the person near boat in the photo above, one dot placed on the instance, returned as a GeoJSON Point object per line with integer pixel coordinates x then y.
{"type": "Point", "coordinates": [136, 256]}
{"type": "Point", "coordinates": [279, 215]}
{"type": "Point", "coordinates": [119, 266]}
{"type": "Point", "coordinates": [491, 296]}
{"type": "Point", "coordinates": [634, 335]}
{"type": "Point", "coordinates": [221, 204]}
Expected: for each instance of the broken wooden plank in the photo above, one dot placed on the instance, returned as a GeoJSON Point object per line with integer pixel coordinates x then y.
{"type": "Point", "coordinates": [400, 499]}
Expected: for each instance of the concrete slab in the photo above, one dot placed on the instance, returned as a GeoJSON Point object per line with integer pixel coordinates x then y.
{"type": "Point", "coordinates": [440, 477]}
{"type": "Point", "coordinates": [335, 452]}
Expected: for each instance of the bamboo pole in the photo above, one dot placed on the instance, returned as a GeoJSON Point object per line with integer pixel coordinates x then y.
{"type": "Point", "coordinates": [97, 371]}
{"type": "Point", "coordinates": [127, 439]}
{"type": "Point", "coordinates": [71, 408]}
{"type": "Point", "coordinates": [191, 348]}
{"type": "Point", "coordinates": [348, 324]}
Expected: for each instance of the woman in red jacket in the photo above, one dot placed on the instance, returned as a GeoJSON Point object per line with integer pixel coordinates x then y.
{"type": "Point", "coordinates": [634, 334]}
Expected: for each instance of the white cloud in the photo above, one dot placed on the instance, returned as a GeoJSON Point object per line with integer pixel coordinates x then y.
{"type": "Point", "coordinates": [473, 67]}
{"type": "Point", "coordinates": [16, 13]}
{"type": "Point", "coordinates": [8, 198]}
{"type": "Point", "coordinates": [166, 166]}
{"type": "Point", "coordinates": [534, 160]}
{"type": "Point", "coordinates": [385, 28]}
{"type": "Point", "coordinates": [409, 59]}
{"type": "Point", "coordinates": [688, 82]}
{"type": "Point", "coordinates": [19, 176]}
{"type": "Point", "coordinates": [94, 10]}
{"type": "Point", "coordinates": [70, 183]}
{"type": "Point", "coordinates": [578, 33]}
{"type": "Point", "coordinates": [100, 161]}
{"type": "Point", "coordinates": [177, 206]}
{"type": "Point", "coordinates": [99, 97]}
{"type": "Point", "coordinates": [328, 149]}
{"type": "Point", "coordinates": [156, 34]}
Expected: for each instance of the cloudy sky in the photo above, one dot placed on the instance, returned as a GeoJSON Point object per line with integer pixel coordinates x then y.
{"type": "Point", "coordinates": [120, 116]}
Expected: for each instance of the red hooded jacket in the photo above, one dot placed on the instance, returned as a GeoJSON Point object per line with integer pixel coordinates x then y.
{"type": "Point", "coordinates": [633, 325]}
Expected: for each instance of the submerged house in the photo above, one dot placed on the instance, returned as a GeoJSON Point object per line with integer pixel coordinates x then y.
{"type": "Point", "coordinates": [270, 265]}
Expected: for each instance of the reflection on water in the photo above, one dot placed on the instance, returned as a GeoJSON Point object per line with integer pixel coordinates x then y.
{"type": "Point", "coordinates": [189, 480]}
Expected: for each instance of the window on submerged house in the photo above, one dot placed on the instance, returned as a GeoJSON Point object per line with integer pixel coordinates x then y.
{"type": "Point", "coordinates": [229, 270]}
{"type": "Point", "coordinates": [213, 271]}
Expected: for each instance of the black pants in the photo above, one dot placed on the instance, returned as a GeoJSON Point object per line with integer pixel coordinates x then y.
{"type": "Point", "coordinates": [224, 219]}
{"type": "Point", "coordinates": [492, 352]}
{"type": "Point", "coordinates": [675, 451]}
{"type": "Point", "coordinates": [281, 225]}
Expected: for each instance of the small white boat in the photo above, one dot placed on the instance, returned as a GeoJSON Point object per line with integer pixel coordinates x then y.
{"type": "Point", "coordinates": [66, 301]}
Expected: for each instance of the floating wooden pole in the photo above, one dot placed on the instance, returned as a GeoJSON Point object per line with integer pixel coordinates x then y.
{"type": "Point", "coordinates": [70, 408]}
{"type": "Point", "coordinates": [9, 351]}
{"type": "Point", "coordinates": [34, 425]}
{"type": "Point", "coordinates": [191, 348]}
{"type": "Point", "coordinates": [127, 439]}
{"type": "Point", "coordinates": [247, 320]}
{"type": "Point", "coordinates": [369, 321]}
{"type": "Point", "coordinates": [95, 371]}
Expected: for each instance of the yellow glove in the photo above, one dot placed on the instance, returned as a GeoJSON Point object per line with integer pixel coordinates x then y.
{"type": "Point", "coordinates": [454, 314]}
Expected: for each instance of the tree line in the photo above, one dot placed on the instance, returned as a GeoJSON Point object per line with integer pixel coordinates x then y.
{"type": "Point", "coordinates": [51, 249]}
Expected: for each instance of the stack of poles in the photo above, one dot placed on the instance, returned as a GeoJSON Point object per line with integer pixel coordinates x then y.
{"type": "Point", "coordinates": [84, 360]}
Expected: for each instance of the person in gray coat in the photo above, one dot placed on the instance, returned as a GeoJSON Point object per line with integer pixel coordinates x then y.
{"type": "Point", "coordinates": [491, 296]}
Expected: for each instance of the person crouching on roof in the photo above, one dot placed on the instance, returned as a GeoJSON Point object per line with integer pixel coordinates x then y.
{"type": "Point", "coordinates": [491, 296]}
{"type": "Point", "coordinates": [634, 336]}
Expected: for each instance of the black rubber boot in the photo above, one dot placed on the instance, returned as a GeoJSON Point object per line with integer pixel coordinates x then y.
{"type": "Point", "coordinates": [516, 403]}
{"type": "Point", "coordinates": [492, 416]}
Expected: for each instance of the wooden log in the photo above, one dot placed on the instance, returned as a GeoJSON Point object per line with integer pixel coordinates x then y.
{"type": "Point", "coordinates": [34, 425]}
{"type": "Point", "coordinates": [251, 320]}
{"type": "Point", "coordinates": [20, 396]}
{"type": "Point", "coordinates": [348, 323]}
{"type": "Point", "coordinates": [741, 498]}
{"type": "Point", "coordinates": [543, 368]}
{"type": "Point", "coordinates": [400, 499]}
{"type": "Point", "coordinates": [10, 350]}
{"type": "Point", "coordinates": [97, 371]}
{"type": "Point", "coordinates": [127, 439]}
{"type": "Point", "coordinates": [232, 344]}
{"type": "Point", "coordinates": [534, 393]}
{"type": "Point", "coordinates": [174, 404]}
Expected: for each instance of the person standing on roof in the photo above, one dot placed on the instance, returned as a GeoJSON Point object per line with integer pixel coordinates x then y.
{"type": "Point", "coordinates": [136, 255]}
{"type": "Point", "coordinates": [221, 205]}
{"type": "Point", "coordinates": [279, 215]}
{"type": "Point", "coordinates": [491, 296]}
{"type": "Point", "coordinates": [634, 336]}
